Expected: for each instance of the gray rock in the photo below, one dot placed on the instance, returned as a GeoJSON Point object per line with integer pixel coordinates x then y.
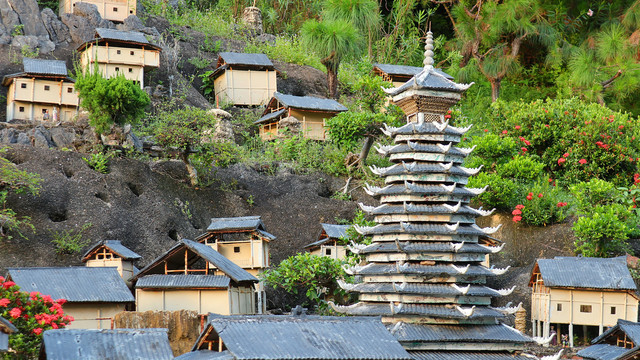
{"type": "Point", "coordinates": [133, 141]}
{"type": "Point", "coordinates": [58, 32]}
{"type": "Point", "coordinates": [133, 23]}
{"type": "Point", "coordinates": [63, 138]}
{"type": "Point", "coordinates": [79, 28]}
{"type": "Point", "coordinates": [266, 38]}
{"type": "Point", "coordinates": [252, 18]}
{"type": "Point", "coordinates": [9, 17]}
{"type": "Point", "coordinates": [45, 45]}
{"type": "Point", "coordinates": [29, 16]}
{"type": "Point", "coordinates": [23, 139]}
{"type": "Point", "coordinates": [8, 136]}
{"type": "Point", "coordinates": [29, 42]}
{"type": "Point", "coordinates": [41, 137]}
{"type": "Point", "coordinates": [88, 11]}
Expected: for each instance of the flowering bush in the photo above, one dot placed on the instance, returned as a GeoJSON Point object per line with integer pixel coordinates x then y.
{"type": "Point", "coordinates": [542, 206]}
{"type": "Point", "coordinates": [32, 314]}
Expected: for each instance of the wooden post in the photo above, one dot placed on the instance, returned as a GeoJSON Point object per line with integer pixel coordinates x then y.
{"type": "Point", "coordinates": [571, 335]}
{"type": "Point", "coordinates": [547, 323]}
{"type": "Point", "coordinates": [570, 318]}
{"type": "Point", "coordinates": [600, 328]}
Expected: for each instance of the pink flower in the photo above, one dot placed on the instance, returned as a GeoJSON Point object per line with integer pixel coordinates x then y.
{"type": "Point", "coordinates": [505, 132]}
{"type": "Point", "coordinates": [37, 331]}
{"type": "Point", "coordinates": [517, 127]}
{"type": "Point", "coordinates": [550, 180]}
{"type": "Point", "coordinates": [4, 302]}
{"type": "Point", "coordinates": [561, 161]}
{"type": "Point", "coordinates": [562, 204]}
{"type": "Point", "coordinates": [61, 301]}
{"type": "Point", "coordinates": [547, 125]}
{"type": "Point", "coordinates": [590, 12]}
{"type": "Point", "coordinates": [565, 155]}
{"type": "Point", "coordinates": [540, 195]}
{"type": "Point", "coordinates": [447, 116]}
{"type": "Point", "coordinates": [516, 212]}
{"type": "Point", "coordinates": [15, 313]}
{"type": "Point", "coordinates": [8, 284]}
{"type": "Point", "coordinates": [486, 130]}
{"type": "Point", "coordinates": [582, 161]}
{"type": "Point", "coordinates": [524, 149]}
{"type": "Point", "coordinates": [529, 197]}
{"type": "Point", "coordinates": [517, 218]}
{"type": "Point", "coordinates": [526, 142]}
{"type": "Point", "coordinates": [519, 206]}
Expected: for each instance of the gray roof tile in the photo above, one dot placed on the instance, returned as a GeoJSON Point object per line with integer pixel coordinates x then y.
{"type": "Point", "coordinates": [116, 247]}
{"type": "Point", "coordinates": [309, 103]}
{"type": "Point", "coordinates": [596, 273]}
{"type": "Point", "coordinates": [419, 189]}
{"type": "Point", "coordinates": [236, 223]}
{"type": "Point", "coordinates": [630, 328]}
{"type": "Point", "coordinates": [44, 67]}
{"type": "Point", "coordinates": [458, 333]}
{"type": "Point", "coordinates": [411, 268]}
{"type": "Point", "coordinates": [427, 310]}
{"type": "Point", "coordinates": [406, 70]}
{"type": "Point", "coordinates": [182, 281]}
{"type": "Point", "coordinates": [232, 58]}
{"type": "Point", "coordinates": [127, 36]}
{"type": "Point", "coordinates": [306, 337]}
{"type": "Point", "coordinates": [269, 116]}
{"type": "Point", "coordinates": [426, 127]}
{"type": "Point", "coordinates": [206, 355]}
{"type": "Point", "coordinates": [606, 352]}
{"type": "Point", "coordinates": [465, 355]}
{"type": "Point", "coordinates": [121, 344]}
{"type": "Point", "coordinates": [422, 229]}
{"type": "Point", "coordinates": [421, 168]}
{"type": "Point", "coordinates": [418, 288]}
{"type": "Point", "coordinates": [75, 284]}
{"type": "Point", "coordinates": [411, 248]}
{"type": "Point", "coordinates": [335, 231]}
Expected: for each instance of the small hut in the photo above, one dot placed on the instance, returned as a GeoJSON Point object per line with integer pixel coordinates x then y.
{"type": "Point", "coordinates": [244, 79]}
{"type": "Point", "coordinates": [621, 342]}
{"type": "Point", "coordinates": [117, 52]}
{"type": "Point", "coordinates": [112, 10]}
{"type": "Point", "coordinates": [121, 344]}
{"type": "Point", "coordinates": [43, 90]}
{"type": "Point", "coordinates": [6, 328]}
{"type": "Point", "coordinates": [399, 74]}
{"type": "Point", "coordinates": [592, 292]}
{"type": "Point", "coordinates": [296, 337]}
{"type": "Point", "coordinates": [330, 242]}
{"type": "Point", "coordinates": [193, 276]}
{"type": "Point", "coordinates": [94, 295]}
{"type": "Point", "coordinates": [111, 253]}
{"type": "Point", "coordinates": [308, 113]}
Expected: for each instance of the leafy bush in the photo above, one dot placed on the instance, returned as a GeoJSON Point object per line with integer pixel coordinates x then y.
{"type": "Point", "coordinates": [501, 193]}
{"type": "Point", "coordinates": [98, 162]}
{"type": "Point", "coordinates": [31, 314]}
{"type": "Point", "coordinates": [593, 193]}
{"type": "Point", "coordinates": [543, 205]}
{"type": "Point", "coordinates": [70, 241]}
{"type": "Point", "coordinates": [521, 167]}
{"type": "Point", "coordinates": [603, 233]}
{"type": "Point", "coordinates": [18, 181]}
{"type": "Point", "coordinates": [491, 150]}
{"type": "Point", "coordinates": [348, 128]}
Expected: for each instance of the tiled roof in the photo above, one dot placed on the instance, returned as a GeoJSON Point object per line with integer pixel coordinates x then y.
{"type": "Point", "coordinates": [630, 328]}
{"type": "Point", "coordinates": [269, 116]}
{"type": "Point", "coordinates": [409, 248]}
{"type": "Point", "coordinates": [595, 273]}
{"type": "Point", "coordinates": [309, 103]}
{"type": "Point", "coordinates": [116, 247]}
{"type": "Point", "coordinates": [121, 344]}
{"type": "Point", "coordinates": [406, 70]}
{"type": "Point", "coordinates": [305, 337]}
{"type": "Point", "coordinates": [44, 67]}
{"type": "Point", "coordinates": [335, 231]}
{"type": "Point", "coordinates": [128, 36]}
{"type": "Point", "coordinates": [232, 58]}
{"type": "Point", "coordinates": [206, 355]}
{"type": "Point", "coordinates": [457, 333]}
{"type": "Point", "coordinates": [465, 355]}
{"type": "Point", "coordinates": [605, 352]}
{"type": "Point", "coordinates": [433, 270]}
{"type": "Point", "coordinates": [182, 281]}
{"type": "Point", "coordinates": [236, 223]}
{"type": "Point", "coordinates": [422, 288]}
{"type": "Point", "coordinates": [75, 284]}
{"type": "Point", "coordinates": [423, 310]}
{"type": "Point", "coordinates": [422, 229]}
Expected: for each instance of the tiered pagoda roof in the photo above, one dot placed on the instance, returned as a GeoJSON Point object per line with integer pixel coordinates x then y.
{"type": "Point", "coordinates": [422, 272]}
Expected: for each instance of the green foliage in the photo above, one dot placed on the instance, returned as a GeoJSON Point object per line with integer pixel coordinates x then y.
{"type": "Point", "coordinates": [543, 205]}
{"type": "Point", "coordinates": [28, 53]}
{"type": "Point", "coordinates": [98, 162]}
{"type": "Point", "coordinates": [593, 193]}
{"type": "Point", "coordinates": [363, 14]}
{"type": "Point", "coordinates": [18, 30]}
{"type": "Point", "coordinates": [603, 233]}
{"type": "Point", "coordinates": [110, 101]}
{"type": "Point", "coordinates": [17, 181]}
{"type": "Point", "coordinates": [199, 62]}
{"type": "Point", "coordinates": [288, 49]}
{"type": "Point", "coordinates": [183, 129]}
{"type": "Point", "coordinates": [491, 150]}
{"type": "Point", "coordinates": [348, 128]}
{"type": "Point", "coordinates": [70, 241]}
{"type": "Point", "coordinates": [31, 314]}
{"type": "Point", "coordinates": [501, 193]}
{"type": "Point", "coordinates": [522, 168]}
{"type": "Point", "coordinates": [315, 276]}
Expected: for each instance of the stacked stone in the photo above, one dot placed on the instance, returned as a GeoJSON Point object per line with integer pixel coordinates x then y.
{"type": "Point", "coordinates": [423, 271]}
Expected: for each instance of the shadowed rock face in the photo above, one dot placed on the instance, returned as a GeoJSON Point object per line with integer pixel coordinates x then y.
{"type": "Point", "coordinates": [149, 207]}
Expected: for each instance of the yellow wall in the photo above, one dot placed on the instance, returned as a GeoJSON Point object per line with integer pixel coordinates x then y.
{"type": "Point", "coordinates": [252, 254]}
{"type": "Point", "coordinates": [33, 90]}
{"type": "Point", "coordinates": [245, 87]}
{"type": "Point", "coordinates": [85, 314]}
{"type": "Point", "coordinates": [571, 301]}
{"type": "Point", "coordinates": [112, 10]}
{"type": "Point", "coordinates": [114, 60]}
{"type": "Point", "coordinates": [220, 301]}
{"type": "Point", "coordinates": [312, 125]}
{"type": "Point", "coordinates": [337, 252]}
{"type": "Point", "coordinates": [34, 111]}
{"type": "Point", "coordinates": [125, 268]}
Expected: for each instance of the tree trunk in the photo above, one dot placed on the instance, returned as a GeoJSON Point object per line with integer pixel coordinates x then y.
{"type": "Point", "coordinates": [368, 142]}
{"type": "Point", "coordinates": [332, 79]}
{"type": "Point", "coordinates": [193, 173]}
{"type": "Point", "coordinates": [495, 89]}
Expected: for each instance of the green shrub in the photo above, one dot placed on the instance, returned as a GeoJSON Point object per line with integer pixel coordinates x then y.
{"type": "Point", "coordinates": [502, 193]}
{"type": "Point", "coordinates": [542, 205]}
{"type": "Point", "coordinates": [593, 193]}
{"type": "Point", "coordinates": [491, 150]}
{"type": "Point", "coordinates": [98, 162]}
{"type": "Point", "coordinates": [70, 241]}
{"type": "Point", "coordinates": [603, 233]}
{"type": "Point", "coordinates": [521, 167]}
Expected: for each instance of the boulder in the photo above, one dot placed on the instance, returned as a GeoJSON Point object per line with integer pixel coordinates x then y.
{"type": "Point", "coordinates": [63, 137]}
{"type": "Point", "coordinates": [29, 15]}
{"type": "Point", "coordinates": [223, 130]}
{"type": "Point", "coordinates": [8, 17]}
{"type": "Point", "coordinates": [292, 123]}
{"type": "Point", "coordinates": [133, 23]}
{"type": "Point", "coordinates": [28, 42]}
{"type": "Point", "coordinates": [8, 136]}
{"type": "Point", "coordinates": [41, 137]}
{"type": "Point", "coordinates": [266, 38]}
{"type": "Point", "coordinates": [58, 32]}
{"type": "Point", "coordinates": [45, 45]}
{"type": "Point", "coordinates": [23, 139]}
{"type": "Point", "coordinates": [252, 18]}
{"type": "Point", "coordinates": [83, 22]}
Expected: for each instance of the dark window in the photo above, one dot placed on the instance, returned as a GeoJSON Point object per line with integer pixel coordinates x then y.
{"type": "Point", "coordinates": [23, 86]}
{"type": "Point", "coordinates": [613, 310]}
{"type": "Point", "coordinates": [130, 70]}
{"type": "Point", "coordinates": [115, 9]}
{"type": "Point", "coordinates": [44, 111]}
{"type": "Point", "coordinates": [132, 52]}
{"type": "Point", "coordinates": [118, 52]}
{"type": "Point", "coordinates": [130, 11]}
{"type": "Point", "coordinates": [559, 307]}
{"type": "Point", "coordinates": [327, 251]}
{"type": "Point", "coordinates": [117, 68]}
{"type": "Point", "coordinates": [21, 109]}
{"type": "Point", "coordinates": [46, 88]}
{"type": "Point", "coordinates": [69, 89]}
{"type": "Point", "coordinates": [236, 249]}
{"type": "Point", "coordinates": [585, 308]}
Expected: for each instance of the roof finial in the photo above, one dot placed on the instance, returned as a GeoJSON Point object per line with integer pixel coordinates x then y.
{"type": "Point", "coordinates": [428, 50]}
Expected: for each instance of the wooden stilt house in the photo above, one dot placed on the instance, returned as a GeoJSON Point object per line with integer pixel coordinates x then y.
{"type": "Point", "coordinates": [43, 91]}
{"type": "Point", "coordinates": [193, 276]}
{"type": "Point", "coordinates": [304, 114]}
{"type": "Point", "coordinates": [121, 344]}
{"type": "Point", "coordinates": [6, 328]}
{"type": "Point", "coordinates": [245, 241]}
{"type": "Point", "coordinates": [423, 271]}
{"type": "Point", "coordinates": [244, 79]}
{"type": "Point", "coordinates": [116, 52]}
{"type": "Point", "coordinates": [620, 342]}
{"type": "Point", "coordinates": [111, 253]}
{"type": "Point", "coordinates": [331, 242]}
{"type": "Point", "coordinates": [295, 337]}
{"type": "Point", "coordinates": [589, 297]}
{"type": "Point", "coordinates": [112, 10]}
{"type": "Point", "coordinates": [94, 295]}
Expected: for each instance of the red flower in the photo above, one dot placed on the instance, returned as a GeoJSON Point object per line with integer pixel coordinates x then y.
{"type": "Point", "coordinates": [547, 125]}
{"type": "Point", "coordinates": [516, 212]}
{"type": "Point", "coordinates": [526, 142]}
{"type": "Point", "coordinates": [529, 197]}
{"type": "Point", "coordinates": [15, 313]}
{"type": "Point", "coordinates": [8, 284]}
{"type": "Point", "coordinates": [37, 331]}
{"type": "Point", "coordinates": [61, 301]}
{"type": "Point", "coordinates": [582, 161]}
{"type": "Point", "coordinates": [517, 127]}
{"type": "Point", "coordinates": [447, 116]}
{"type": "Point", "coordinates": [562, 204]}
{"type": "Point", "coordinates": [448, 111]}
{"type": "Point", "coordinates": [565, 155]}
{"type": "Point", "coordinates": [540, 195]}
{"type": "Point", "coordinates": [561, 161]}
{"type": "Point", "coordinates": [517, 218]}
{"type": "Point", "coordinates": [550, 180]}
{"type": "Point", "coordinates": [1, 279]}
{"type": "Point", "coordinates": [4, 302]}
{"type": "Point", "coordinates": [621, 127]}
{"type": "Point", "coordinates": [486, 130]}
{"type": "Point", "coordinates": [524, 149]}
{"type": "Point", "coordinates": [519, 206]}
{"type": "Point", "coordinates": [566, 113]}
{"type": "Point", "coordinates": [505, 132]}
